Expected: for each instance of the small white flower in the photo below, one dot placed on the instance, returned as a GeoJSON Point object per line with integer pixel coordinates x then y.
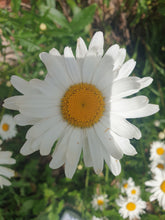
{"type": "Point", "coordinates": [161, 135]}
{"type": "Point", "coordinates": [133, 191]}
{"type": "Point", "coordinates": [157, 123]}
{"type": "Point", "coordinates": [43, 27]}
{"type": "Point", "coordinates": [157, 150]}
{"type": "Point", "coordinates": [83, 103]}
{"type": "Point", "coordinates": [99, 202]}
{"type": "Point", "coordinates": [8, 84]}
{"type": "Point", "coordinates": [96, 218]}
{"type": "Point", "coordinates": [7, 127]}
{"type": "Point", "coordinates": [131, 207]}
{"type": "Point", "coordinates": [157, 188]}
{"type": "Point", "coordinates": [157, 166]}
{"type": "Point", "coordinates": [126, 184]}
{"type": "Point", "coordinates": [5, 173]}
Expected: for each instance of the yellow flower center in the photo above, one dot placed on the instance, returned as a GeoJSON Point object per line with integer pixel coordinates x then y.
{"type": "Point", "coordinates": [160, 166]}
{"type": "Point", "coordinates": [125, 185]}
{"type": "Point", "coordinates": [162, 186]}
{"type": "Point", "coordinates": [160, 151]}
{"type": "Point", "coordinates": [131, 206]}
{"type": "Point", "coordinates": [82, 105]}
{"type": "Point", "coordinates": [5, 127]}
{"type": "Point", "coordinates": [133, 191]}
{"type": "Point", "coordinates": [100, 202]}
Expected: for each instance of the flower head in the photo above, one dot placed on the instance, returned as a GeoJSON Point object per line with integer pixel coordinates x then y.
{"type": "Point", "coordinates": [133, 191]}
{"type": "Point", "coordinates": [157, 150]}
{"type": "Point", "coordinates": [83, 103]}
{"type": "Point", "coordinates": [126, 184]}
{"type": "Point", "coordinates": [43, 27]}
{"type": "Point", "coordinates": [157, 188]}
{"type": "Point", "coordinates": [99, 202]}
{"type": "Point", "coordinates": [5, 173]}
{"type": "Point", "coordinates": [157, 166]}
{"type": "Point", "coordinates": [131, 207]}
{"type": "Point", "coordinates": [7, 127]}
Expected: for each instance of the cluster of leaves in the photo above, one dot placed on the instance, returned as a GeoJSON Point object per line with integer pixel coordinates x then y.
{"type": "Point", "coordinates": [37, 192]}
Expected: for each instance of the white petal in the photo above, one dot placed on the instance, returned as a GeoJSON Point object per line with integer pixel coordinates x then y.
{"type": "Point", "coordinates": [54, 52]}
{"type": "Point", "coordinates": [56, 68]}
{"type": "Point", "coordinates": [120, 58]}
{"type": "Point", "coordinates": [97, 43]}
{"type": "Point", "coordinates": [4, 181]}
{"type": "Point", "coordinates": [86, 154]}
{"type": "Point", "coordinates": [114, 165]}
{"type": "Point", "coordinates": [50, 136]}
{"type": "Point", "coordinates": [89, 66]}
{"type": "Point", "coordinates": [107, 140]}
{"type": "Point", "coordinates": [24, 120]}
{"type": "Point", "coordinates": [124, 87]}
{"type": "Point", "coordinates": [81, 48]}
{"type": "Point", "coordinates": [130, 104]}
{"type": "Point", "coordinates": [104, 69]}
{"type": "Point", "coordinates": [5, 157]}
{"type": "Point", "coordinates": [11, 103]}
{"type": "Point", "coordinates": [145, 81]}
{"type": "Point", "coordinates": [123, 128]}
{"type": "Point", "coordinates": [148, 110]}
{"type": "Point", "coordinates": [126, 69]}
{"type": "Point", "coordinates": [27, 147]}
{"type": "Point", "coordinates": [7, 172]}
{"type": "Point", "coordinates": [124, 145]}
{"type": "Point", "coordinates": [37, 112]}
{"type": "Point", "coordinates": [73, 152]}
{"type": "Point", "coordinates": [72, 65]}
{"type": "Point", "coordinates": [95, 150]}
{"type": "Point", "coordinates": [58, 156]}
{"type": "Point", "coordinates": [41, 127]}
{"type": "Point", "coordinates": [20, 84]}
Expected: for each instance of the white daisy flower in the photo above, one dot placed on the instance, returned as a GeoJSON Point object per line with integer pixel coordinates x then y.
{"type": "Point", "coordinates": [5, 173]}
{"type": "Point", "coordinates": [157, 188]}
{"type": "Point", "coordinates": [133, 191]}
{"type": "Point", "coordinates": [99, 202]}
{"type": "Point", "coordinates": [126, 184]}
{"type": "Point", "coordinates": [96, 218]}
{"type": "Point", "coordinates": [157, 150]}
{"type": "Point", "coordinates": [82, 103]}
{"type": "Point", "coordinates": [131, 207]}
{"type": "Point", "coordinates": [7, 127]}
{"type": "Point", "coordinates": [161, 135]}
{"type": "Point", "coordinates": [157, 166]}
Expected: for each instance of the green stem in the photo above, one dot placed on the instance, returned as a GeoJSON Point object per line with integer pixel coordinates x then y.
{"type": "Point", "coordinates": [106, 173]}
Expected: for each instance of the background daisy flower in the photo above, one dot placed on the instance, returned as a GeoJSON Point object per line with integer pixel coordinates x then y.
{"type": "Point", "coordinates": [133, 191]}
{"type": "Point", "coordinates": [157, 150]}
{"type": "Point", "coordinates": [126, 184]}
{"type": "Point", "coordinates": [7, 127]}
{"type": "Point", "coordinates": [157, 165]}
{"type": "Point", "coordinates": [131, 208]}
{"type": "Point", "coordinates": [83, 103]}
{"type": "Point", "coordinates": [157, 188]}
{"type": "Point", "coordinates": [5, 173]}
{"type": "Point", "coordinates": [99, 202]}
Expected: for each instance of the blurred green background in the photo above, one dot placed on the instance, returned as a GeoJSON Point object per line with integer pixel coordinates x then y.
{"type": "Point", "coordinates": [30, 27]}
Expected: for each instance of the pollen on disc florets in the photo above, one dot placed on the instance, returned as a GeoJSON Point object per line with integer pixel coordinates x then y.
{"type": "Point", "coordinates": [82, 105]}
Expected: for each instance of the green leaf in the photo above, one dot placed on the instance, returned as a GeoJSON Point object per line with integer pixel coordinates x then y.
{"type": "Point", "coordinates": [149, 217]}
{"type": "Point", "coordinates": [83, 18]}
{"type": "Point", "coordinates": [27, 205]}
{"type": "Point", "coordinates": [54, 15]}
{"type": "Point", "coordinates": [51, 3]}
{"type": "Point", "coordinates": [74, 7]}
{"type": "Point", "coordinates": [15, 5]}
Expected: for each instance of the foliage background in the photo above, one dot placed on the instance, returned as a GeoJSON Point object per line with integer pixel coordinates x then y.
{"type": "Point", "coordinates": [37, 192]}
